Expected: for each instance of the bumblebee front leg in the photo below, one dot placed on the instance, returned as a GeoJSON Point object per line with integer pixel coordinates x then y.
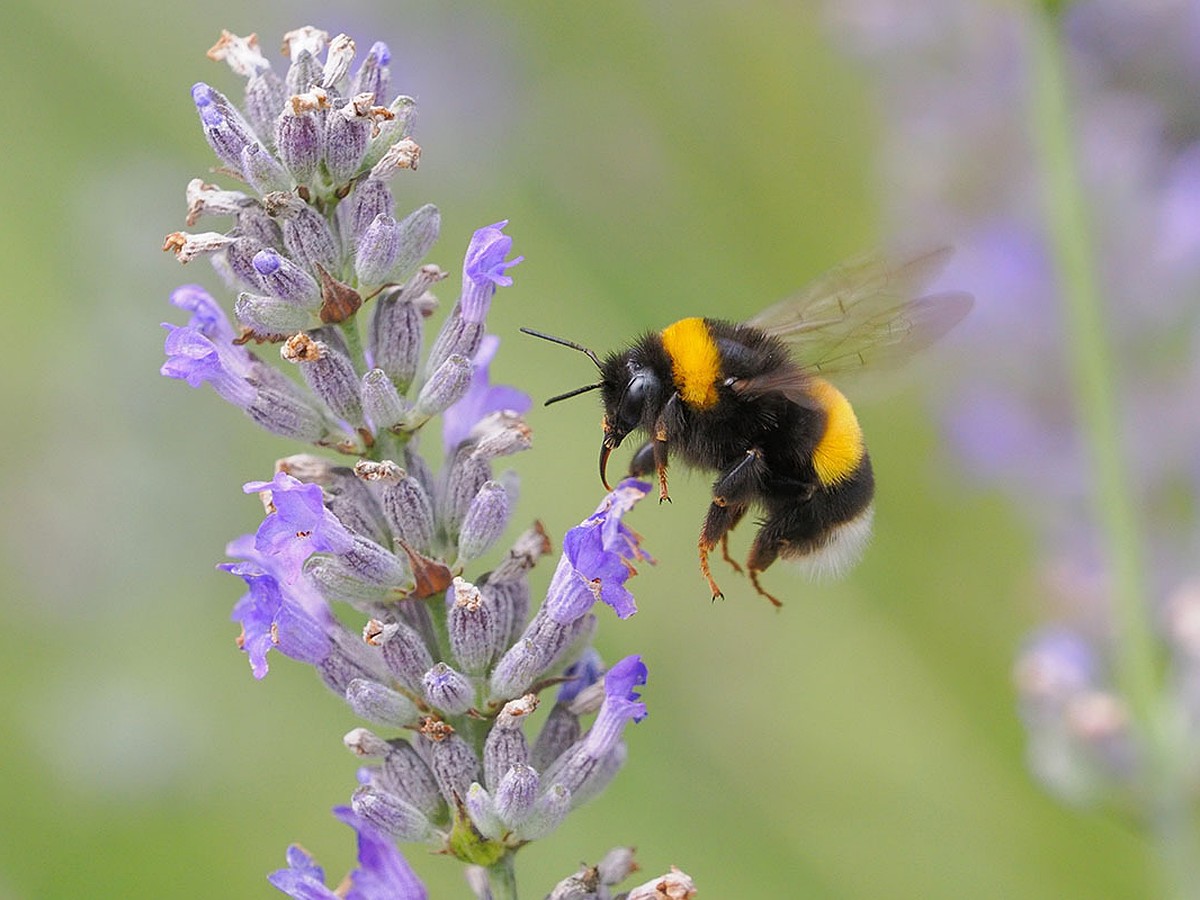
{"type": "Point", "coordinates": [668, 423]}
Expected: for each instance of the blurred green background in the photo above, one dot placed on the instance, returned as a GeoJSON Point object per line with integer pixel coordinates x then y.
{"type": "Point", "coordinates": [656, 160]}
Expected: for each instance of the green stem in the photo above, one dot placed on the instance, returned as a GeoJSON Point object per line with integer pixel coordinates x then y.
{"type": "Point", "coordinates": [1136, 652]}
{"type": "Point", "coordinates": [503, 878]}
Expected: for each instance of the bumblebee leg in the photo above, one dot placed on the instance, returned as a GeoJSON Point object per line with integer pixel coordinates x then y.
{"type": "Point", "coordinates": [767, 544]}
{"type": "Point", "coordinates": [668, 420]}
{"type": "Point", "coordinates": [733, 563]}
{"type": "Point", "coordinates": [716, 525]}
{"type": "Point", "coordinates": [742, 481]}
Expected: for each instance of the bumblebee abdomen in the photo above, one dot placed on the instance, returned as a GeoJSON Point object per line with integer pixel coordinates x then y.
{"type": "Point", "coordinates": [840, 450]}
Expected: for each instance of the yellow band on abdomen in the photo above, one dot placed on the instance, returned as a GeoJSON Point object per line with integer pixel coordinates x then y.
{"type": "Point", "coordinates": [695, 362]}
{"type": "Point", "coordinates": [841, 448]}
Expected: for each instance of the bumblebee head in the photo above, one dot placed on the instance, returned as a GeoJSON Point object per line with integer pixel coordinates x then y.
{"type": "Point", "coordinates": [627, 386]}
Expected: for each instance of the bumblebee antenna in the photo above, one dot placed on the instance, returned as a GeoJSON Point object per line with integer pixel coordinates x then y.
{"type": "Point", "coordinates": [574, 346]}
{"type": "Point", "coordinates": [575, 393]}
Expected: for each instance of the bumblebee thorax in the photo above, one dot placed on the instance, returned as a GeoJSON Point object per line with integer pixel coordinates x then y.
{"type": "Point", "coordinates": [695, 361]}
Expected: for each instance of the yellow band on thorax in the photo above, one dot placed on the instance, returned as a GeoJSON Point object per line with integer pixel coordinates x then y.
{"type": "Point", "coordinates": [695, 362]}
{"type": "Point", "coordinates": [841, 448]}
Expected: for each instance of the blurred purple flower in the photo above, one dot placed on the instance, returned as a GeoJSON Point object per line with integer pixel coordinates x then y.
{"type": "Point", "coordinates": [481, 399]}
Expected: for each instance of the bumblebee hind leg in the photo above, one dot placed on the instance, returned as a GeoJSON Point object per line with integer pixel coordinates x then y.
{"type": "Point", "coordinates": [737, 485]}
{"type": "Point", "coordinates": [715, 529]}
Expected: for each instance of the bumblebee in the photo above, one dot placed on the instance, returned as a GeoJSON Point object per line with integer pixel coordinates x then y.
{"type": "Point", "coordinates": [751, 401]}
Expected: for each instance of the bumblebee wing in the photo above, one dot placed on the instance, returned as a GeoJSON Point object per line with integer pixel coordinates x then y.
{"type": "Point", "coordinates": [865, 312]}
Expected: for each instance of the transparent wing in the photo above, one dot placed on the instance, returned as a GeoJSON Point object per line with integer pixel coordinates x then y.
{"type": "Point", "coordinates": [865, 312]}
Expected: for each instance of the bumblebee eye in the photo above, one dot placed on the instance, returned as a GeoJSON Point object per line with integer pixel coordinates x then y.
{"type": "Point", "coordinates": [642, 385]}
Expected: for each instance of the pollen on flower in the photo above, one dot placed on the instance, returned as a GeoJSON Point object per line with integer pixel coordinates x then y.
{"type": "Point", "coordinates": [301, 348]}
{"type": "Point", "coordinates": [372, 632]}
{"type": "Point", "coordinates": [310, 101]}
{"type": "Point", "coordinates": [435, 729]}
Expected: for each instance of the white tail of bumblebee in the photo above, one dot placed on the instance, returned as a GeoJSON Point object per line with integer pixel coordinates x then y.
{"type": "Point", "coordinates": [841, 551]}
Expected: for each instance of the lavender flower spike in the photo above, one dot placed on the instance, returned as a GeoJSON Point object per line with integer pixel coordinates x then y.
{"type": "Point", "coordinates": [382, 872]}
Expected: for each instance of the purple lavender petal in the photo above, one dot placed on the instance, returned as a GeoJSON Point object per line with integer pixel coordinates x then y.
{"type": "Point", "coordinates": [194, 358]}
{"type": "Point", "coordinates": [383, 873]}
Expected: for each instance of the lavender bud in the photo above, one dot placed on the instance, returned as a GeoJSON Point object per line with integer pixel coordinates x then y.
{"type": "Point", "coordinates": [307, 237]}
{"type": "Point", "coordinates": [447, 690]}
{"type": "Point", "coordinates": [337, 60]}
{"type": "Point", "coordinates": [675, 884]}
{"type": "Point", "coordinates": [473, 634]}
{"type": "Point", "coordinates": [224, 129]}
{"type": "Point", "coordinates": [464, 478]}
{"type": "Point", "coordinates": [482, 812]}
{"type": "Point", "coordinates": [377, 250]}
{"type": "Point", "coordinates": [518, 669]}
{"type": "Point", "coordinates": [239, 255]}
{"type": "Point", "coordinates": [409, 513]}
{"type": "Point", "coordinates": [298, 140]}
{"type": "Point", "coordinates": [395, 338]}
{"type": "Point", "coordinates": [305, 71]}
{"type": "Point", "coordinates": [339, 582]}
{"type": "Point", "coordinates": [373, 564]}
{"type": "Point", "coordinates": [385, 406]}
{"type": "Point", "coordinates": [263, 170]}
{"type": "Point", "coordinates": [403, 154]}
{"type": "Point", "coordinates": [375, 702]}
{"type": "Point", "coordinates": [209, 200]}
{"type": "Point", "coordinates": [516, 795]}
{"type": "Point", "coordinates": [418, 232]}
{"type": "Point", "coordinates": [390, 814]}
{"type": "Point", "coordinates": [187, 247]}
{"type": "Point", "coordinates": [445, 387]}
{"type": "Point", "coordinates": [403, 116]}
{"type": "Point", "coordinates": [404, 652]}
{"type": "Point", "coordinates": [582, 885]}
{"type": "Point", "coordinates": [559, 732]}
{"type": "Point", "coordinates": [457, 337]}
{"type": "Point", "coordinates": [498, 434]}
{"type": "Point", "coordinates": [509, 602]}
{"type": "Point", "coordinates": [282, 408]}
{"type": "Point", "coordinates": [505, 746]}
{"type": "Point", "coordinates": [285, 279]}
{"type": "Point", "coordinates": [369, 199]}
{"type": "Point", "coordinates": [548, 812]}
{"type": "Point", "coordinates": [347, 131]}
{"type": "Point", "coordinates": [353, 502]}
{"type": "Point", "coordinates": [344, 663]}
{"type": "Point", "coordinates": [363, 741]}
{"type": "Point", "coordinates": [264, 99]}
{"type": "Point", "coordinates": [270, 315]}
{"type": "Point", "coordinates": [372, 76]}
{"type": "Point", "coordinates": [452, 760]}
{"type": "Point", "coordinates": [405, 774]}
{"type": "Point", "coordinates": [241, 54]}
{"type": "Point", "coordinates": [329, 373]}
{"type": "Point", "coordinates": [617, 865]}
{"type": "Point", "coordinates": [531, 545]}
{"type": "Point", "coordinates": [484, 521]}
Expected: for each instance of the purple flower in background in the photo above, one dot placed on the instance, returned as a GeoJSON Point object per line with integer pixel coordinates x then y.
{"type": "Point", "coordinates": [481, 398]}
{"type": "Point", "coordinates": [382, 873]}
{"type": "Point", "coordinates": [963, 93]}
